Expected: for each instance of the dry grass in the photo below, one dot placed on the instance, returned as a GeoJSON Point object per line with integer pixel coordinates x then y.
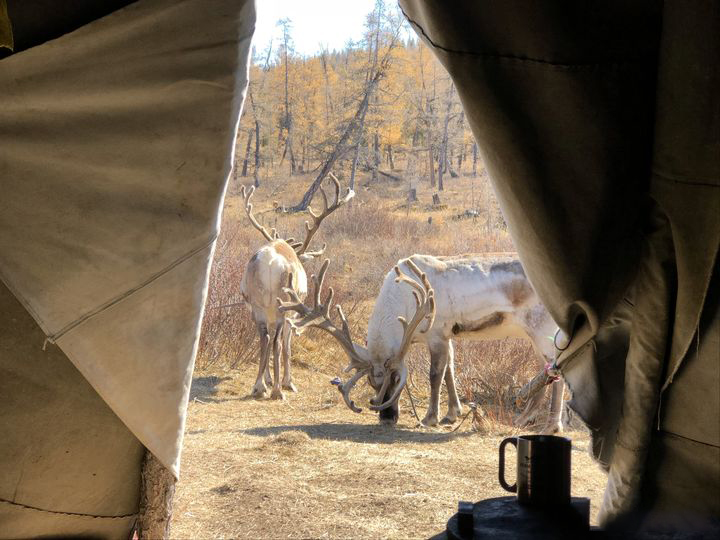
{"type": "Point", "coordinates": [308, 467]}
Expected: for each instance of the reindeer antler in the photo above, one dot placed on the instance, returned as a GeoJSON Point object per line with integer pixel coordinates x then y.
{"type": "Point", "coordinates": [319, 317]}
{"type": "Point", "coordinates": [424, 304]}
{"type": "Point", "coordinates": [424, 309]}
{"type": "Point", "coordinates": [247, 195]}
{"type": "Point", "coordinates": [318, 218]}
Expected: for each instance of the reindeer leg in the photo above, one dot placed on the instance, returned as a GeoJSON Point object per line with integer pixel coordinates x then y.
{"type": "Point", "coordinates": [260, 389]}
{"type": "Point", "coordinates": [268, 377]}
{"type": "Point", "coordinates": [454, 406]}
{"type": "Point", "coordinates": [287, 383]}
{"type": "Point", "coordinates": [277, 345]}
{"type": "Point", "coordinates": [438, 364]}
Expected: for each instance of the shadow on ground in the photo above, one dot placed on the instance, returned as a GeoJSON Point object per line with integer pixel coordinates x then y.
{"type": "Point", "coordinates": [361, 433]}
{"type": "Point", "coordinates": [204, 388]}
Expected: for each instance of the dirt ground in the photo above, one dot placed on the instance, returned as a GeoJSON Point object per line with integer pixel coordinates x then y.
{"type": "Point", "coordinates": [307, 467]}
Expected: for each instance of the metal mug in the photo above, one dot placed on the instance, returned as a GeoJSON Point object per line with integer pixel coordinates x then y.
{"type": "Point", "coordinates": [543, 470]}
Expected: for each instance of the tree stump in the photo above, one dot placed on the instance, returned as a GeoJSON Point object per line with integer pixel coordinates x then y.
{"type": "Point", "coordinates": [156, 499]}
{"type": "Point", "coordinates": [412, 195]}
{"type": "Point", "coordinates": [436, 199]}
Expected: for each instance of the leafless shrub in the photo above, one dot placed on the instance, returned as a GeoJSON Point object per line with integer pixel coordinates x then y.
{"type": "Point", "coordinates": [227, 334]}
{"type": "Point", "coordinates": [490, 373]}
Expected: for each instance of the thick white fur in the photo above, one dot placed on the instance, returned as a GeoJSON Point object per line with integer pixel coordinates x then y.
{"type": "Point", "coordinates": [467, 293]}
{"type": "Point", "coordinates": [262, 284]}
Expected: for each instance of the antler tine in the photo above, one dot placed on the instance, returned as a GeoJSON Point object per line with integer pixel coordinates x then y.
{"type": "Point", "coordinates": [426, 292]}
{"type": "Point", "coordinates": [317, 219]}
{"type": "Point", "coordinates": [247, 195]}
{"type": "Point", "coordinates": [328, 303]}
{"type": "Point", "coordinates": [424, 304]}
{"type": "Point", "coordinates": [319, 315]}
{"type": "Point", "coordinates": [325, 198]}
{"type": "Point", "coordinates": [424, 309]}
{"type": "Point", "coordinates": [336, 183]}
{"type": "Point", "coordinates": [343, 320]}
{"type": "Point", "coordinates": [315, 253]}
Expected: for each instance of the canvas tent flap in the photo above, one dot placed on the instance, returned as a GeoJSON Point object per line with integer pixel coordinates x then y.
{"type": "Point", "coordinates": [558, 101]}
{"type": "Point", "coordinates": [599, 126]}
{"type": "Point", "coordinates": [115, 147]}
{"type": "Point", "coordinates": [6, 34]}
{"type": "Point", "coordinates": [68, 465]}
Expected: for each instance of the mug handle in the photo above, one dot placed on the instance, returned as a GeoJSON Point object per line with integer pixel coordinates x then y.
{"type": "Point", "coordinates": [501, 473]}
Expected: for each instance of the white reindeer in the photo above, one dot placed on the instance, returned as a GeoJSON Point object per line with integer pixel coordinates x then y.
{"type": "Point", "coordinates": [275, 266]}
{"type": "Point", "coordinates": [467, 297]}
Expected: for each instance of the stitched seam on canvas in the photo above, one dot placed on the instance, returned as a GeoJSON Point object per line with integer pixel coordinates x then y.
{"type": "Point", "coordinates": [527, 60]}
{"type": "Point", "coordinates": [669, 177]}
{"type": "Point", "coordinates": [77, 322]}
{"type": "Point", "coordinates": [682, 357]}
{"type": "Point", "coordinates": [27, 506]}
{"type": "Point", "coordinates": [678, 436]}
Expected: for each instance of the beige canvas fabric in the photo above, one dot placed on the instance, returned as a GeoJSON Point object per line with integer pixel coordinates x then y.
{"type": "Point", "coordinates": [116, 143]}
{"type": "Point", "coordinates": [68, 465]}
{"type": "Point", "coordinates": [598, 123]}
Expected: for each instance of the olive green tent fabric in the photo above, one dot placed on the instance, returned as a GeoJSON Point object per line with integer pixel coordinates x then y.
{"type": "Point", "coordinates": [599, 123]}
{"type": "Point", "coordinates": [116, 143]}
{"type": "Point", "coordinates": [68, 465]}
{"type": "Point", "coordinates": [6, 34]}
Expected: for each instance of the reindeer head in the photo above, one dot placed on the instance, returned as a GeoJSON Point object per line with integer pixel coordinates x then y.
{"type": "Point", "coordinates": [387, 376]}
{"type": "Point", "coordinates": [301, 248]}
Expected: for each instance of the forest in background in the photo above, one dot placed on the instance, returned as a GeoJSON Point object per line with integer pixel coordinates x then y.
{"type": "Point", "coordinates": [383, 105]}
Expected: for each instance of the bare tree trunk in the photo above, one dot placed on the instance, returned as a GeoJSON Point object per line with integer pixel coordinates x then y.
{"type": "Point", "coordinates": [156, 499]}
{"type": "Point", "coordinates": [412, 156]}
{"type": "Point", "coordinates": [248, 146]}
{"type": "Point", "coordinates": [304, 155]}
{"type": "Point", "coordinates": [288, 145]}
{"type": "Point", "coordinates": [449, 165]}
{"type": "Point", "coordinates": [356, 154]}
{"type": "Point", "coordinates": [256, 172]}
{"type": "Point", "coordinates": [431, 162]}
{"type": "Point", "coordinates": [378, 71]}
{"type": "Point", "coordinates": [339, 148]}
{"type": "Point", "coordinates": [475, 159]}
{"type": "Point", "coordinates": [376, 156]}
{"type": "Point", "coordinates": [391, 162]}
{"type": "Point", "coordinates": [288, 121]}
{"type": "Point", "coordinates": [328, 100]}
{"type": "Point", "coordinates": [441, 164]}
{"type": "Point", "coordinates": [442, 158]}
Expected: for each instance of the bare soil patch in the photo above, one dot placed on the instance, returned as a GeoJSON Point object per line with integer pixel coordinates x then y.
{"type": "Point", "coordinates": [307, 467]}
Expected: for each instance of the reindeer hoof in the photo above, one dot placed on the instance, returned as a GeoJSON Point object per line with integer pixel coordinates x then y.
{"type": "Point", "coordinates": [448, 420]}
{"type": "Point", "coordinates": [289, 386]}
{"type": "Point", "coordinates": [259, 393]}
{"type": "Point", "coordinates": [430, 421]}
{"type": "Point", "coordinates": [277, 394]}
{"type": "Point", "coordinates": [389, 416]}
